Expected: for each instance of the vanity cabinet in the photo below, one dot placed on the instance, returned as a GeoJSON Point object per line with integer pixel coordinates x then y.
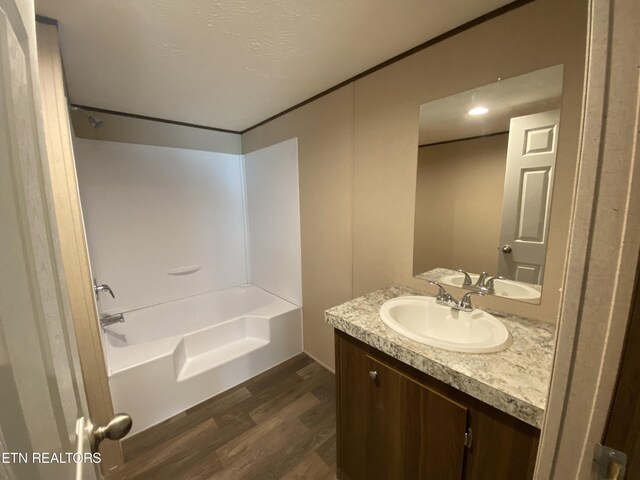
{"type": "Point", "coordinates": [395, 422]}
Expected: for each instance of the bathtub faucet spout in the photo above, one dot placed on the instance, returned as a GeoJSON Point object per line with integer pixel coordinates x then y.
{"type": "Point", "coordinates": [106, 320]}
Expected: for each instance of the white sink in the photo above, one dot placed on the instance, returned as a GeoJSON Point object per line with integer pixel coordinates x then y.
{"type": "Point", "coordinates": [423, 320]}
{"type": "Point", "coordinates": [503, 288]}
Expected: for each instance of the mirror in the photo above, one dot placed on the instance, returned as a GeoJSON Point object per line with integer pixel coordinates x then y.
{"type": "Point", "coordinates": [484, 184]}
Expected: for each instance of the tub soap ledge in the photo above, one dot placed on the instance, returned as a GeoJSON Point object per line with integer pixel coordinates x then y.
{"type": "Point", "coordinates": [184, 270]}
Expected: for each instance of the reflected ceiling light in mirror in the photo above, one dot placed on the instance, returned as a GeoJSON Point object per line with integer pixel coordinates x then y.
{"type": "Point", "coordinates": [478, 111]}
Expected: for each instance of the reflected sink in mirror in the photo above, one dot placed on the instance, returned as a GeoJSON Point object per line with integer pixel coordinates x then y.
{"type": "Point", "coordinates": [503, 288]}
{"type": "Point", "coordinates": [423, 320]}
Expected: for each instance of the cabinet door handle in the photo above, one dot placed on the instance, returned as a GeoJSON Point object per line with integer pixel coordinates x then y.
{"type": "Point", "coordinates": [373, 374]}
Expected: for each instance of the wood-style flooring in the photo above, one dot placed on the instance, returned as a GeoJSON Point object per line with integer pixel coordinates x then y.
{"type": "Point", "coordinates": [280, 424]}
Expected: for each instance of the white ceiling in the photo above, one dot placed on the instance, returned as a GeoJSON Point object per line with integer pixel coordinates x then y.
{"type": "Point", "coordinates": [447, 118]}
{"type": "Point", "coordinates": [233, 63]}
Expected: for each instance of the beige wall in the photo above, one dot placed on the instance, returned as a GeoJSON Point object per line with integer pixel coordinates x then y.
{"type": "Point", "coordinates": [459, 190]}
{"type": "Point", "coordinates": [325, 151]}
{"type": "Point", "coordinates": [118, 128]}
{"type": "Point", "coordinates": [358, 145]}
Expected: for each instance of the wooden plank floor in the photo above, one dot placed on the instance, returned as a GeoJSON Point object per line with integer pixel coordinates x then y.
{"type": "Point", "coordinates": [280, 424]}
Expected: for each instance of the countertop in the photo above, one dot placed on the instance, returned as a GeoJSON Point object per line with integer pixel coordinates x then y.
{"type": "Point", "coordinates": [515, 381]}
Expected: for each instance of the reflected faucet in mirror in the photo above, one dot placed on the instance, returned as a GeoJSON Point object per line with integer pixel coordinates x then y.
{"type": "Point", "coordinates": [484, 283]}
{"type": "Point", "coordinates": [497, 286]}
{"type": "Point", "coordinates": [467, 279]}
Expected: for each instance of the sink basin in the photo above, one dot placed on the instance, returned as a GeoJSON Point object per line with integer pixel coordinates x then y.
{"type": "Point", "coordinates": [503, 288]}
{"type": "Point", "coordinates": [423, 320]}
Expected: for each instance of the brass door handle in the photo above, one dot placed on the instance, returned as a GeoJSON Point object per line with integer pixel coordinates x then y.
{"type": "Point", "coordinates": [116, 429]}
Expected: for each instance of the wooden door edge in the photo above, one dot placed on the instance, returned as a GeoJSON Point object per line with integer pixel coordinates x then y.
{"type": "Point", "coordinates": [70, 228]}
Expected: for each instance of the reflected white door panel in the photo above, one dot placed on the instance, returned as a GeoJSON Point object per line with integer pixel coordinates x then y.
{"type": "Point", "coordinates": [528, 184]}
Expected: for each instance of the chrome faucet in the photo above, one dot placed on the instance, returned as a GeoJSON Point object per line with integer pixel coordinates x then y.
{"type": "Point", "coordinates": [488, 283]}
{"type": "Point", "coordinates": [484, 284]}
{"type": "Point", "coordinates": [446, 299]}
{"type": "Point", "coordinates": [106, 320]}
{"type": "Point", "coordinates": [465, 302]}
{"type": "Point", "coordinates": [443, 298]}
{"type": "Point", "coordinates": [467, 278]}
{"type": "Point", "coordinates": [102, 288]}
{"type": "Point", "coordinates": [481, 279]}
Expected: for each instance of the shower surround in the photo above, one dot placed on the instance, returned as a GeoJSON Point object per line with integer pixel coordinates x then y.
{"type": "Point", "coordinates": [202, 251]}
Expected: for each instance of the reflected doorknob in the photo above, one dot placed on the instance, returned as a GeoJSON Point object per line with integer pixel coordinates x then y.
{"type": "Point", "coordinates": [116, 429]}
{"type": "Point", "coordinates": [506, 249]}
{"type": "Point", "coordinates": [373, 375]}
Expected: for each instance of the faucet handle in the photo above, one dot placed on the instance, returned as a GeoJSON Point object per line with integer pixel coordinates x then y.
{"type": "Point", "coordinates": [465, 301]}
{"type": "Point", "coordinates": [489, 283]}
{"type": "Point", "coordinates": [442, 293]}
{"type": "Point", "coordinates": [481, 279]}
{"type": "Point", "coordinates": [102, 288]}
{"type": "Point", "coordinates": [467, 279]}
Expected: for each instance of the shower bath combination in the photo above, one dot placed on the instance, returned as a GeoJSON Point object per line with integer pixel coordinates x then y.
{"type": "Point", "coordinates": [207, 290]}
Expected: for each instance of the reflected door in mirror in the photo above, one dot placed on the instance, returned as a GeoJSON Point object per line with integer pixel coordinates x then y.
{"type": "Point", "coordinates": [531, 158]}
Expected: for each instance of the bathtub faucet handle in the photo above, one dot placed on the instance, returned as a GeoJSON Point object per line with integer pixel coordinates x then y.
{"type": "Point", "coordinates": [102, 288]}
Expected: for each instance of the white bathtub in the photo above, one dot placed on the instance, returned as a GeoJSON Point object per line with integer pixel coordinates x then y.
{"type": "Point", "coordinates": [166, 358]}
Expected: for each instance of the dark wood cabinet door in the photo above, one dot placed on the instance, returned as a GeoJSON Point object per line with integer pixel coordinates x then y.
{"type": "Point", "coordinates": [503, 448]}
{"type": "Point", "coordinates": [403, 424]}
{"type": "Point", "coordinates": [352, 382]}
{"type": "Point", "coordinates": [412, 431]}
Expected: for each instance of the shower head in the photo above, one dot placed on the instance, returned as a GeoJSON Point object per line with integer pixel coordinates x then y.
{"type": "Point", "coordinates": [94, 121]}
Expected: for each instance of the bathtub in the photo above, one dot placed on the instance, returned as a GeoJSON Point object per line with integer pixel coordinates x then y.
{"type": "Point", "coordinates": [166, 358]}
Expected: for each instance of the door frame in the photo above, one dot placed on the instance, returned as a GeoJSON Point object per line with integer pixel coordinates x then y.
{"type": "Point", "coordinates": [618, 435]}
{"type": "Point", "coordinates": [603, 246]}
{"type": "Point", "coordinates": [71, 232]}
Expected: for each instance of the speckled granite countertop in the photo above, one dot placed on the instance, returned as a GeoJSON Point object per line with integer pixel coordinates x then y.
{"type": "Point", "coordinates": [515, 381]}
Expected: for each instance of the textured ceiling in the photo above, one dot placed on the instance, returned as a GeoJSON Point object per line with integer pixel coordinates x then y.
{"type": "Point", "coordinates": [231, 64]}
{"type": "Point", "coordinates": [448, 119]}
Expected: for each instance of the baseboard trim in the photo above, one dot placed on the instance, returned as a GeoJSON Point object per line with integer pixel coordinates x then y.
{"type": "Point", "coordinates": [315, 359]}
